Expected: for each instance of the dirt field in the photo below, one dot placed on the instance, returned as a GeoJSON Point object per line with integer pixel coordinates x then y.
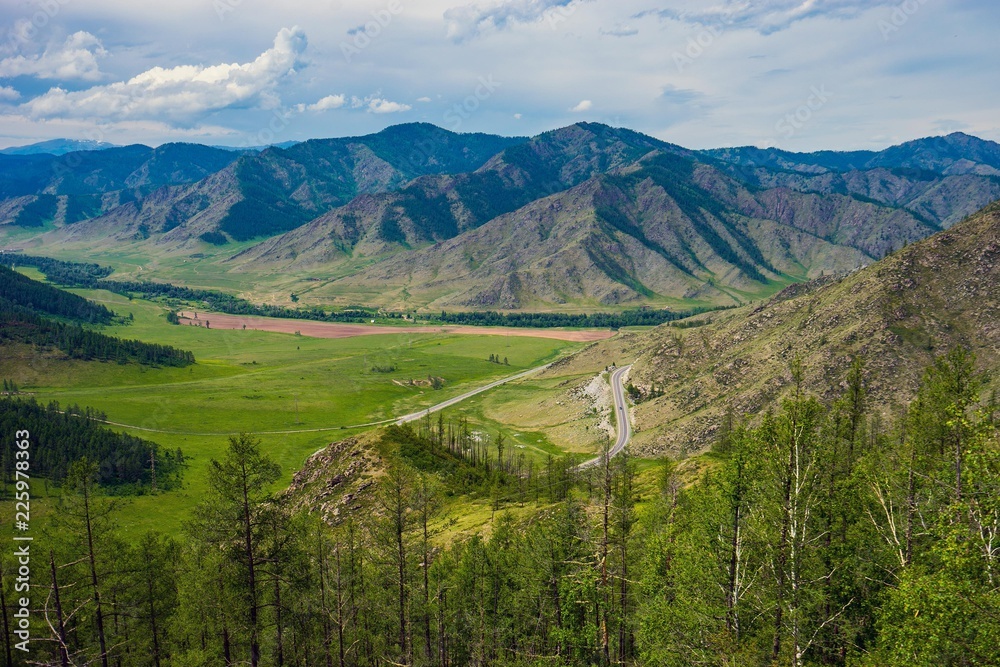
{"type": "Point", "coordinates": [337, 330]}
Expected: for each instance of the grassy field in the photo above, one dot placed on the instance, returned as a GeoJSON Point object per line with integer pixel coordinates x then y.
{"type": "Point", "coordinates": [284, 387]}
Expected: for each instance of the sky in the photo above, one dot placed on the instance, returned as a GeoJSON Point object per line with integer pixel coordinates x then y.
{"type": "Point", "coordinates": [797, 74]}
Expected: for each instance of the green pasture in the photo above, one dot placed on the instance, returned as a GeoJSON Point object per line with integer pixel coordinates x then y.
{"type": "Point", "coordinates": [305, 391]}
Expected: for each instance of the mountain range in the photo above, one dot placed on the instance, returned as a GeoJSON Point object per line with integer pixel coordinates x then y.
{"type": "Point", "coordinates": [583, 217]}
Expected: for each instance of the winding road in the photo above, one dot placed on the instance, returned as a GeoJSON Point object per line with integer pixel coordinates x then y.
{"type": "Point", "coordinates": [624, 425]}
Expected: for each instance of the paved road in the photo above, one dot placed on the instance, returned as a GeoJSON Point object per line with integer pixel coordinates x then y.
{"type": "Point", "coordinates": [624, 425]}
{"type": "Point", "coordinates": [413, 416]}
{"type": "Point", "coordinates": [398, 420]}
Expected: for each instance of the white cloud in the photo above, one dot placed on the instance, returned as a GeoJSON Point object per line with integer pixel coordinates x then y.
{"type": "Point", "coordinates": [423, 99]}
{"type": "Point", "coordinates": [379, 105]}
{"type": "Point", "coordinates": [468, 21]}
{"type": "Point", "coordinates": [182, 91]}
{"type": "Point", "coordinates": [620, 31]}
{"type": "Point", "coordinates": [774, 15]}
{"type": "Point", "coordinates": [8, 94]}
{"type": "Point", "coordinates": [584, 105]}
{"type": "Point", "coordinates": [74, 59]}
{"type": "Point", "coordinates": [517, 116]}
{"type": "Point", "coordinates": [326, 103]}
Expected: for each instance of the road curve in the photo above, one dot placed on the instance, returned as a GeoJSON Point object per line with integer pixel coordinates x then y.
{"type": "Point", "coordinates": [624, 425]}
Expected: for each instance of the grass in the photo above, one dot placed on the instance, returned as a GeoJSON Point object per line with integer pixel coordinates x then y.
{"type": "Point", "coordinates": [259, 381]}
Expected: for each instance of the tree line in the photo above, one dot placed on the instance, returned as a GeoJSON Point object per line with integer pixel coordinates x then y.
{"type": "Point", "coordinates": [26, 310]}
{"type": "Point", "coordinates": [629, 318]}
{"type": "Point", "coordinates": [92, 276]}
{"type": "Point", "coordinates": [22, 290]}
{"type": "Point", "coordinates": [818, 534]}
{"type": "Point", "coordinates": [125, 464]}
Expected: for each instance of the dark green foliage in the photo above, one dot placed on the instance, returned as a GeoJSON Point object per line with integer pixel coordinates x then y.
{"type": "Point", "coordinates": [70, 274]}
{"type": "Point", "coordinates": [430, 213]}
{"type": "Point", "coordinates": [82, 207]}
{"type": "Point", "coordinates": [389, 229]}
{"type": "Point", "coordinates": [215, 238]}
{"type": "Point", "coordinates": [60, 437]}
{"type": "Point", "coordinates": [786, 545]}
{"type": "Point", "coordinates": [19, 290]}
{"type": "Point", "coordinates": [38, 212]}
{"type": "Point", "coordinates": [628, 318]}
{"type": "Point", "coordinates": [259, 214]}
{"type": "Point", "coordinates": [24, 308]}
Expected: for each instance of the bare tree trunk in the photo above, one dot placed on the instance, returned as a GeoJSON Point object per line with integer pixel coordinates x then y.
{"type": "Point", "coordinates": [93, 576]}
{"type": "Point", "coordinates": [252, 573]}
{"type": "Point", "coordinates": [61, 626]}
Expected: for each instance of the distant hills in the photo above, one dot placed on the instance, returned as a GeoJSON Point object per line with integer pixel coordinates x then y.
{"type": "Point", "coordinates": [587, 216]}
{"type": "Point", "coordinates": [897, 315]}
{"type": "Point", "coordinates": [57, 147]}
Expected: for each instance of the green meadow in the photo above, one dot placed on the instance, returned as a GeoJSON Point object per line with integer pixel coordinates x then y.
{"type": "Point", "coordinates": [297, 393]}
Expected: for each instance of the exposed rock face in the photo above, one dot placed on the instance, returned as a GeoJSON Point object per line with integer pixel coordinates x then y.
{"type": "Point", "coordinates": [338, 479]}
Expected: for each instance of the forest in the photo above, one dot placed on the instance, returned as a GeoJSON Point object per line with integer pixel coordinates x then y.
{"type": "Point", "coordinates": [28, 306]}
{"type": "Point", "coordinates": [813, 534]}
{"type": "Point", "coordinates": [125, 465]}
{"type": "Point", "coordinates": [636, 317]}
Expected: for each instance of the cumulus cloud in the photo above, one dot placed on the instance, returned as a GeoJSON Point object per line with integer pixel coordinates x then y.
{"type": "Point", "coordinates": [468, 21]}
{"type": "Point", "coordinates": [424, 99]}
{"type": "Point", "coordinates": [584, 105]}
{"type": "Point", "coordinates": [325, 104]}
{"type": "Point", "coordinates": [380, 105]}
{"type": "Point", "coordinates": [8, 94]}
{"type": "Point", "coordinates": [183, 91]}
{"type": "Point", "coordinates": [74, 59]}
{"type": "Point", "coordinates": [774, 15]}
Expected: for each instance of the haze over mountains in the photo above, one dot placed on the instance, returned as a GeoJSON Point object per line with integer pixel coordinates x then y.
{"type": "Point", "coordinates": [587, 216]}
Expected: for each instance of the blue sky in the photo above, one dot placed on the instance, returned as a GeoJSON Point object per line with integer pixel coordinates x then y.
{"type": "Point", "coordinates": [799, 74]}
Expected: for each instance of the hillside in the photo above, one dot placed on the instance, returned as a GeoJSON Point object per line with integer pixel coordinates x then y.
{"type": "Point", "coordinates": [896, 314]}
{"type": "Point", "coordinates": [415, 217]}
{"type": "Point", "coordinates": [57, 147]}
{"type": "Point", "coordinates": [956, 153]}
{"type": "Point", "coordinates": [665, 227]}
{"type": "Point", "coordinates": [275, 190]}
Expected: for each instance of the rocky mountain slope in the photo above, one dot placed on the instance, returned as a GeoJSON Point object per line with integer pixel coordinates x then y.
{"type": "Point", "coordinates": [237, 195]}
{"type": "Point", "coordinates": [665, 226]}
{"type": "Point", "coordinates": [896, 314]}
{"type": "Point", "coordinates": [587, 216]}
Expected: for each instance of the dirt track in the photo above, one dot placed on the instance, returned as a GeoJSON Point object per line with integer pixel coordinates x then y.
{"type": "Point", "coordinates": [337, 330]}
